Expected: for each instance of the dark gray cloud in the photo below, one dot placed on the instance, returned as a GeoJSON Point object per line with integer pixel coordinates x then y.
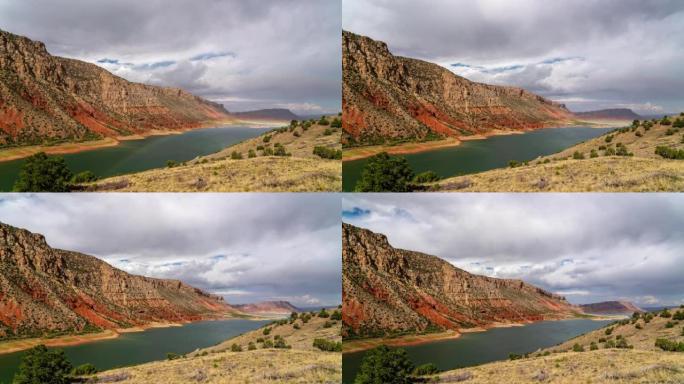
{"type": "Point", "coordinates": [247, 247]}
{"type": "Point", "coordinates": [590, 247]}
{"type": "Point", "coordinates": [245, 54]}
{"type": "Point", "coordinates": [625, 53]}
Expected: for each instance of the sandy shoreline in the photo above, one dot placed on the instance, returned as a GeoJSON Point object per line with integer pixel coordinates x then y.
{"type": "Point", "coordinates": [17, 153]}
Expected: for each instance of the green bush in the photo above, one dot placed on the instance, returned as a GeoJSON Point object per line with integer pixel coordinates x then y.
{"type": "Point", "coordinates": [622, 343]}
{"type": "Point", "coordinates": [670, 346]}
{"type": "Point", "coordinates": [336, 123]}
{"type": "Point", "coordinates": [43, 173]}
{"type": "Point", "coordinates": [609, 138]}
{"type": "Point", "coordinates": [43, 366]}
{"type": "Point", "coordinates": [669, 324]}
{"type": "Point", "coordinates": [678, 123]}
{"type": "Point", "coordinates": [578, 155]}
{"type": "Point", "coordinates": [84, 369]}
{"type": "Point", "coordinates": [296, 326]}
{"type": "Point", "coordinates": [514, 164]}
{"type": "Point", "coordinates": [577, 348]}
{"type": "Point", "coordinates": [251, 346]}
{"type": "Point", "coordinates": [171, 163]}
{"type": "Point", "coordinates": [385, 173]}
{"type": "Point", "coordinates": [670, 132]}
{"type": "Point", "coordinates": [665, 121]}
{"type": "Point", "coordinates": [235, 155]}
{"type": "Point", "coordinates": [679, 315]}
{"type": "Point", "coordinates": [323, 313]}
{"type": "Point", "coordinates": [83, 177]}
{"type": "Point", "coordinates": [280, 344]}
{"type": "Point", "coordinates": [268, 344]}
{"type": "Point", "coordinates": [385, 365]}
{"type": "Point", "coordinates": [327, 153]}
{"type": "Point", "coordinates": [267, 331]}
{"type": "Point", "coordinates": [638, 326]}
{"type": "Point", "coordinates": [609, 331]}
{"type": "Point", "coordinates": [593, 153]}
{"type": "Point", "coordinates": [337, 315]}
{"type": "Point", "coordinates": [268, 151]}
{"type": "Point", "coordinates": [323, 121]}
{"type": "Point", "coordinates": [266, 138]}
{"type": "Point", "coordinates": [666, 314]}
{"type": "Point", "coordinates": [609, 344]}
{"type": "Point", "coordinates": [251, 154]}
{"type": "Point", "coordinates": [327, 132]}
{"type": "Point", "coordinates": [426, 177]}
{"type": "Point", "coordinates": [280, 151]}
{"type": "Point", "coordinates": [296, 134]}
{"type": "Point", "coordinates": [327, 345]}
{"type": "Point", "coordinates": [172, 356]}
{"type": "Point", "coordinates": [514, 356]}
{"type": "Point", "coordinates": [610, 151]}
{"type": "Point", "coordinates": [235, 348]}
{"type": "Point", "coordinates": [425, 369]}
{"type": "Point", "coordinates": [669, 153]}
{"type": "Point", "coordinates": [593, 346]}
{"type": "Point", "coordinates": [638, 134]}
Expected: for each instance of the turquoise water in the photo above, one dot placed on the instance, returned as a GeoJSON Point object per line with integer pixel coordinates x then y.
{"type": "Point", "coordinates": [478, 348]}
{"type": "Point", "coordinates": [140, 155]}
{"type": "Point", "coordinates": [483, 155]}
{"type": "Point", "coordinates": [142, 347]}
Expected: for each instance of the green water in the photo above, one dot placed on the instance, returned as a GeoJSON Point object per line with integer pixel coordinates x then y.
{"type": "Point", "coordinates": [478, 348]}
{"type": "Point", "coordinates": [483, 155]}
{"type": "Point", "coordinates": [142, 347]}
{"type": "Point", "coordinates": [140, 155]}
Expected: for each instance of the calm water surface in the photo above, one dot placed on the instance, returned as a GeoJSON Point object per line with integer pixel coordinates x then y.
{"type": "Point", "coordinates": [483, 155]}
{"type": "Point", "coordinates": [478, 348]}
{"type": "Point", "coordinates": [141, 155]}
{"type": "Point", "coordinates": [142, 347]}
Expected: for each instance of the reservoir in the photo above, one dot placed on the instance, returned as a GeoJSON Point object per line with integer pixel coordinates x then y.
{"type": "Point", "coordinates": [142, 347]}
{"type": "Point", "coordinates": [140, 155]}
{"type": "Point", "coordinates": [482, 155]}
{"type": "Point", "coordinates": [483, 347]}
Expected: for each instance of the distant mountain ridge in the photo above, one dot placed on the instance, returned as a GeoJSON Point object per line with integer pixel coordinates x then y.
{"type": "Point", "coordinates": [610, 114]}
{"type": "Point", "coordinates": [45, 98]}
{"type": "Point", "coordinates": [387, 98]}
{"type": "Point", "coordinates": [611, 307]}
{"type": "Point", "coordinates": [267, 307]}
{"type": "Point", "coordinates": [277, 114]}
{"type": "Point", "coordinates": [388, 290]}
{"type": "Point", "coordinates": [43, 290]}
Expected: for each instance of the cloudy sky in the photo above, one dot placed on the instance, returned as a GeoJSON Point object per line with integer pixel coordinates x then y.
{"type": "Point", "coordinates": [247, 247]}
{"type": "Point", "coordinates": [589, 54]}
{"type": "Point", "coordinates": [244, 54]}
{"type": "Point", "coordinates": [588, 247]}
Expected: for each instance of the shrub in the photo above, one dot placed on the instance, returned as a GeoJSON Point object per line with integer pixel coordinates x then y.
{"type": "Point", "coordinates": [670, 132]}
{"type": "Point", "coordinates": [622, 151]}
{"type": "Point", "coordinates": [385, 365]}
{"type": "Point", "coordinates": [260, 147]}
{"type": "Point", "coordinates": [577, 348]}
{"type": "Point", "coordinates": [638, 134]}
{"type": "Point", "coordinates": [251, 154]}
{"type": "Point", "coordinates": [323, 313]}
{"type": "Point", "coordinates": [83, 177]}
{"type": "Point", "coordinates": [678, 123]}
{"type": "Point", "coordinates": [293, 123]}
{"type": "Point", "coordinates": [635, 123]}
{"type": "Point", "coordinates": [327, 324]}
{"type": "Point", "coordinates": [593, 153]}
{"type": "Point", "coordinates": [602, 147]}
{"type": "Point", "coordinates": [84, 369]}
{"type": "Point", "coordinates": [235, 348]}
{"type": "Point", "coordinates": [171, 163]}
{"type": "Point", "coordinates": [638, 326]}
{"type": "Point", "coordinates": [260, 339]}
{"type": "Point", "coordinates": [593, 346]}
{"type": "Point", "coordinates": [327, 132]}
{"type": "Point", "coordinates": [336, 123]}
{"type": "Point", "coordinates": [425, 369]}
{"type": "Point", "coordinates": [578, 155]}
{"type": "Point", "coordinates": [679, 315]}
{"type": "Point", "coordinates": [665, 121]}
{"type": "Point", "coordinates": [602, 340]}
{"type": "Point", "coordinates": [385, 173]}
{"type": "Point", "coordinates": [514, 164]}
{"type": "Point", "coordinates": [609, 331]}
{"type": "Point", "coordinates": [610, 151]}
{"type": "Point", "coordinates": [43, 173]}
{"type": "Point", "coordinates": [251, 346]}
{"type": "Point", "coordinates": [609, 138]}
{"type": "Point", "coordinates": [337, 315]}
{"type": "Point", "coordinates": [267, 331]}
{"type": "Point", "coordinates": [43, 366]}
{"type": "Point", "coordinates": [266, 138]}
{"type": "Point", "coordinates": [296, 326]}
{"type": "Point", "coordinates": [666, 314]}
{"type": "Point", "coordinates": [280, 343]}
{"type": "Point", "coordinates": [426, 177]}
{"type": "Point", "coordinates": [268, 344]}
{"type": "Point", "coordinates": [296, 134]}
{"type": "Point", "coordinates": [172, 356]}
{"type": "Point", "coordinates": [670, 346]}
{"type": "Point", "coordinates": [609, 344]}
{"type": "Point", "coordinates": [514, 356]}
{"type": "Point", "coordinates": [327, 345]}
{"type": "Point", "coordinates": [669, 324]}
{"type": "Point", "coordinates": [669, 153]}
{"type": "Point", "coordinates": [323, 121]}
{"type": "Point", "coordinates": [268, 152]}
{"type": "Point", "coordinates": [327, 153]}
{"type": "Point", "coordinates": [235, 155]}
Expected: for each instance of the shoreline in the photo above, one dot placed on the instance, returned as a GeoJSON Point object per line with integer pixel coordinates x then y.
{"type": "Point", "coordinates": [17, 153]}
{"type": "Point", "coordinates": [18, 345]}
{"type": "Point", "coordinates": [358, 153]}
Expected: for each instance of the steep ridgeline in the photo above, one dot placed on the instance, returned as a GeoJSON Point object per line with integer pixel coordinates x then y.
{"type": "Point", "coordinates": [387, 290]}
{"type": "Point", "coordinates": [611, 308]}
{"type": "Point", "coordinates": [44, 98]}
{"type": "Point", "coordinates": [43, 290]}
{"type": "Point", "coordinates": [387, 98]}
{"type": "Point", "coordinates": [624, 114]}
{"type": "Point", "coordinates": [272, 114]}
{"type": "Point", "coordinates": [268, 307]}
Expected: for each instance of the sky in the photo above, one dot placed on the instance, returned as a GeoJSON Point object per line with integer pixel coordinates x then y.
{"type": "Point", "coordinates": [244, 54]}
{"type": "Point", "coordinates": [587, 247]}
{"type": "Point", "coordinates": [246, 247]}
{"type": "Point", "coordinates": [588, 54]}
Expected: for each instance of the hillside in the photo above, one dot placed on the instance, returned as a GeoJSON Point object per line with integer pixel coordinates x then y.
{"type": "Point", "coordinates": [267, 171]}
{"type": "Point", "coordinates": [272, 114]}
{"type": "Point", "coordinates": [388, 99]}
{"type": "Point", "coordinates": [622, 160]}
{"type": "Point", "coordinates": [611, 308]}
{"type": "Point", "coordinates": [46, 99]}
{"type": "Point", "coordinates": [300, 363]}
{"type": "Point", "coordinates": [47, 291]}
{"type": "Point", "coordinates": [615, 114]}
{"type": "Point", "coordinates": [267, 308]}
{"type": "Point", "coordinates": [390, 291]}
{"type": "Point", "coordinates": [624, 352]}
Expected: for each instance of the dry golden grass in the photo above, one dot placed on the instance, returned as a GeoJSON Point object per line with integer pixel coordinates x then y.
{"type": "Point", "coordinates": [301, 172]}
{"type": "Point", "coordinates": [643, 172]}
{"type": "Point", "coordinates": [613, 366]}
{"type": "Point", "coordinates": [301, 364]}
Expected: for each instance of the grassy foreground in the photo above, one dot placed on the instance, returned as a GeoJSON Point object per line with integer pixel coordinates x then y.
{"type": "Point", "coordinates": [223, 363]}
{"type": "Point", "coordinates": [595, 165]}
{"type": "Point", "coordinates": [233, 170]}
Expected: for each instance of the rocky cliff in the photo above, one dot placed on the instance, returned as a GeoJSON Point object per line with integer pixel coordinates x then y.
{"type": "Point", "coordinates": [44, 98]}
{"type": "Point", "coordinates": [386, 98]}
{"type": "Point", "coordinates": [45, 290]}
{"type": "Point", "coordinates": [268, 307]}
{"type": "Point", "coordinates": [387, 290]}
{"type": "Point", "coordinates": [611, 308]}
{"type": "Point", "coordinates": [609, 114]}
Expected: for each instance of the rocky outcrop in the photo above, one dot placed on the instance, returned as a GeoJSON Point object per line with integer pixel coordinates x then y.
{"type": "Point", "coordinates": [268, 307]}
{"type": "Point", "coordinates": [609, 114]}
{"type": "Point", "coordinates": [272, 114]}
{"type": "Point", "coordinates": [44, 98]}
{"type": "Point", "coordinates": [387, 290]}
{"type": "Point", "coordinates": [44, 290]}
{"type": "Point", "coordinates": [387, 98]}
{"type": "Point", "coordinates": [611, 308]}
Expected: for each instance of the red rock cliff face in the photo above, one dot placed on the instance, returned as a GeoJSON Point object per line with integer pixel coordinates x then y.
{"type": "Point", "coordinates": [386, 289]}
{"type": "Point", "coordinates": [44, 289]}
{"type": "Point", "coordinates": [49, 98]}
{"type": "Point", "coordinates": [386, 97]}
